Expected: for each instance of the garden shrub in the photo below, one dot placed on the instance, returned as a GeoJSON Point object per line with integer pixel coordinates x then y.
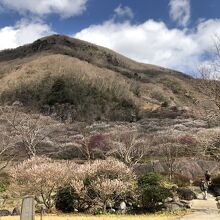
{"type": "Point", "coordinates": [151, 192]}
{"type": "Point", "coordinates": [65, 199]}
{"type": "Point", "coordinates": [153, 196]}
{"type": "Point", "coordinates": [216, 180]}
{"type": "Point", "coordinates": [215, 186]}
{"type": "Point", "coordinates": [102, 182]}
{"type": "Point", "coordinates": [148, 180]}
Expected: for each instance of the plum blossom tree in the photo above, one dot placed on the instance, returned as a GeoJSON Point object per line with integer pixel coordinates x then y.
{"type": "Point", "coordinates": [109, 191]}
{"type": "Point", "coordinates": [95, 183]}
{"type": "Point", "coordinates": [40, 177]}
{"type": "Point", "coordinates": [101, 182]}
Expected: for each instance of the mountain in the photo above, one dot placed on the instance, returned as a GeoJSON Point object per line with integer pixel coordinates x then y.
{"type": "Point", "coordinates": [76, 80]}
{"type": "Point", "coordinates": [98, 93]}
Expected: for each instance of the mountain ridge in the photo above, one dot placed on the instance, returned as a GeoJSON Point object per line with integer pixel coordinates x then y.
{"type": "Point", "coordinates": [108, 81]}
{"type": "Point", "coordinates": [62, 44]}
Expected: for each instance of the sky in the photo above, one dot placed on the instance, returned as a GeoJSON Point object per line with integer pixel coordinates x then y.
{"type": "Point", "coordinates": [177, 34]}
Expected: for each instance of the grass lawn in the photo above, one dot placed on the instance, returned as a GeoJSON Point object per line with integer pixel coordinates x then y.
{"type": "Point", "coordinates": [102, 217]}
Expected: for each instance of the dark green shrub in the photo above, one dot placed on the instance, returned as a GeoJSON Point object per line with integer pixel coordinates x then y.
{"type": "Point", "coordinates": [152, 197]}
{"type": "Point", "coordinates": [149, 180]}
{"type": "Point", "coordinates": [216, 180]}
{"type": "Point", "coordinates": [152, 194]}
{"type": "Point", "coordinates": [164, 104]}
{"type": "Point", "coordinates": [58, 93]}
{"type": "Point", "coordinates": [65, 199]}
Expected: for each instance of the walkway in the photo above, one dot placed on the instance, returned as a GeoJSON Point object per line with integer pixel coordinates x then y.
{"type": "Point", "coordinates": [203, 209]}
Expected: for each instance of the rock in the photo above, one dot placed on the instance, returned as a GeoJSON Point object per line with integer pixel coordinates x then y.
{"type": "Point", "coordinates": [123, 206]}
{"type": "Point", "coordinates": [169, 199]}
{"type": "Point", "coordinates": [16, 211]}
{"type": "Point", "coordinates": [109, 205]}
{"type": "Point", "coordinates": [5, 212]}
{"type": "Point", "coordinates": [112, 210]}
{"type": "Point", "coordinates": [217, 198]}
{"type": "Point", "coordinates": [216, 190]}
{"type": "Point", "coordinates": [173, 206]}
{"type": "Point", "coordinates": [187, 204]}
{"type": "Point", "coordinates": [17, 104]}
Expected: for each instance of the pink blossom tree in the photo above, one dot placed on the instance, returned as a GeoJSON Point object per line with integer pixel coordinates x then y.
{"type": "Point", "coordinates": [107, 180]}
{"type": "Point", "coordinates": [40, 177]}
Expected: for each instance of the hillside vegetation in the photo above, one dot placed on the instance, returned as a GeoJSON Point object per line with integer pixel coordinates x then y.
{"type": "Point", "coordinates": [76, 80]}
{"type": "Point", "coordinates": [87, 130]}
{"type": "Point", "coordinates": [78, 95]}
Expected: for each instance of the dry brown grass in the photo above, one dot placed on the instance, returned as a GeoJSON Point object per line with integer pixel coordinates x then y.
{"type": "Point", "coordinates": [52, 66]}
{"type": "Point", "coordinates": [93, 65]}
{"type": "Point", "coordinates": [101, 217]}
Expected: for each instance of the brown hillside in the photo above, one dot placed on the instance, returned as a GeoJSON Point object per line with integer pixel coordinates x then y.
{"type": "Point", "coordinates": [68, 77]}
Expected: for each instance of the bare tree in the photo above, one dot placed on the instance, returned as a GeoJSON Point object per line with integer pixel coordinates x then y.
{"type": "Point", "coordinates": [5, 146]}
{"type": "Point", "coordinates": [90, 144]}
{"type": "Point", "coordinates": [209, 79]}
{"type": "Point", "coordinates": [28, 130]}
{"type": "Point", "coordinates": [129, 146]}
{"type": "Point", "coordinates": [209, 141]}
{"type": "Point", "coordinates": [170, 151]}
{"type": "Point", "coordinates": [172, 147]}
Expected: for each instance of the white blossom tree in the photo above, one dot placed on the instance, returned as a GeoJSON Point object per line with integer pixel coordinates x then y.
{"type": "Point", "coordinates": [107, 180]}
{"type": "Point", "coordinates": [40, 177]}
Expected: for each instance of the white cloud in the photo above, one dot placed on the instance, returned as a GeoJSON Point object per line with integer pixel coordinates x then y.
{"type": "Point", "coordinates": [22, 33]}
{"type": "Point", "coordinates": [125, 11]}
{"type": "Point", "coordinates": [153, 42]}
{"type": "Point", "coordinates": [65, 8]}
{"type": "Point", "coordinates": [180, 11]}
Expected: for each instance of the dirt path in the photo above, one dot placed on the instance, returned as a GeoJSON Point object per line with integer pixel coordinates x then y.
{"type": "Point", "coordinates": [203, 209]}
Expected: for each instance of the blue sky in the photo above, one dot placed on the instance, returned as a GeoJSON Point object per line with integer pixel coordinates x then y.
{"type": "Point", "coordinates": [177, 34]}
